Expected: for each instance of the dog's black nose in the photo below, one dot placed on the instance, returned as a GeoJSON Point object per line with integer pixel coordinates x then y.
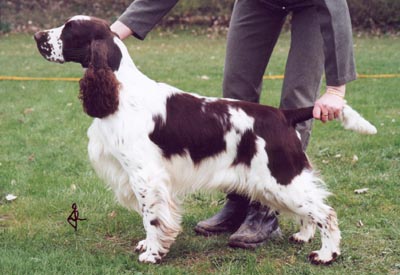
{"type": "Point", "coordinates": [38, 35]}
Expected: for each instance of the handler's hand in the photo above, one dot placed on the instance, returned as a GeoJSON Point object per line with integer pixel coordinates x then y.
{"type": "Point", "coordinates": [121, 29]}
{"type": "Point", "coordinates": [329, 105]}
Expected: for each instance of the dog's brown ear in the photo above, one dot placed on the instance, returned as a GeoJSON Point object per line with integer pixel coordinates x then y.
{"type": "Point", "coordinates": [99, 86]}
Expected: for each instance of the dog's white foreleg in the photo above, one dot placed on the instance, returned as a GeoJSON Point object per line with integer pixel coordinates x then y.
{"type": "Point", "coordinates": [109, 169]}
{"type": "Point", "coordinates": [160, 213]}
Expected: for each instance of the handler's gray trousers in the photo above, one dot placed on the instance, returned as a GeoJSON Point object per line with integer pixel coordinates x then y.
{"type": "Point", "coordinates": [254, 29]}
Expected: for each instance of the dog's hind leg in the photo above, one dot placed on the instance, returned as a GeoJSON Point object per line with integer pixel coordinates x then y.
{"type": "Point", "coordinates": [330, 238]}
{"type": "Point", "coordinates": [161, 217]}
{"type": "Point", "coordinates": [327, 223]}
{"type": "Point", "coordinates": [324, 217]}
{"type": "Point", "coordinates": [317, 213]}
{"type": "Point", "coordinates": [306, 233]}
{"type": "Point", "coordinates": [304, 198]}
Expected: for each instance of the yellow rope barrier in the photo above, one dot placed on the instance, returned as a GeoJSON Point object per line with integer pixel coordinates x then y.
{"type": "Point", "coordinates": [358, 75]}
{"type": "Point", "coordinates": [273, 77]}
{"type": "Point", "coordinates": [74, 79]}
{"type": "Point", "coordinates": [27, 78]}
{"type": "Point", "coordinates": [378, 75]}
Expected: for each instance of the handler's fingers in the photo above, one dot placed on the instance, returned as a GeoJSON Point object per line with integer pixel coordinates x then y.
{"type": "Point", "coordinates": [324, 116]}
{"type": "Point", "coordinates": [317, 112]}
{"type": "Point", "coordinates": [336, 114]}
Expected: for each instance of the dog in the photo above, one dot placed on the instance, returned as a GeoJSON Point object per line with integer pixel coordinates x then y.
{"type": "Point", "coordinates": [152, 143]}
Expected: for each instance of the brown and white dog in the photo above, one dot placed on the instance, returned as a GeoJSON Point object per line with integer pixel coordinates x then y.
{"type": "Point", "coordinates": [152, 143]}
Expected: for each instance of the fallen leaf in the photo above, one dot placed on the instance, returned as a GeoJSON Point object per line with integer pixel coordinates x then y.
{"type": "Point", "coordinates": [214, 203]}
{"type": "Point", "coordinates": [73, 187]}
{"type": "Point", "coordinates": [355, 159]}
{"type": "Point", "coordinates": [360, 223]}
{"type": "Point", "coordinates": [10, 197]}
{"type": "Point", "coordinates": [36, 260]}
{"type": "Point", "coordinates": [28, 111]}
{"type": "Point", "coordinates": [205, 77]}
{"type": "Point", "coordinates": [113, 214]}
{"type": "Point", "coordinates": [361, 191]}
{"type": "Point", "coordinates": [31, 157]}
{"type": "Point", "coordinates": [110, 238]}
{"type": "Point", "coordinates": [4, 218]}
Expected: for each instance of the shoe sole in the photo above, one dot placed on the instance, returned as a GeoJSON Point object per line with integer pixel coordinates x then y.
{"type": "Point", "coordinates": [244, 245]}
{"type": "Point", "coordinates": [207, 233]}
{"type": "Point", "coordinates": [276, 234]}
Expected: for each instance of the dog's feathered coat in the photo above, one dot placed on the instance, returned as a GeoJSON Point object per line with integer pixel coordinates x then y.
{"type": "Point", "coordinates": [151, 142]}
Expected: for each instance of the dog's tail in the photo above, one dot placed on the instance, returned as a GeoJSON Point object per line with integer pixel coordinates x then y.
{"type": "Point", "coordinates": [350, 119]}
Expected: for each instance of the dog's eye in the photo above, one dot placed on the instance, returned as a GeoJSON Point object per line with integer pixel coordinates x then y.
{"type": "Point", "coordinates": [68, 25]}
{"type": "Point", "coordinates": [74, 33]}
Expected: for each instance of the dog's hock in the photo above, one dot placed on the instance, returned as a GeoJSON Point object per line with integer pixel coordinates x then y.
{"type": "Point", "coordinates": [351, 120]}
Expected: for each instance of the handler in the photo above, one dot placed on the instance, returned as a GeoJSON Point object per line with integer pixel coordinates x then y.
{"type": "Point", "coordinates": [321, 38]}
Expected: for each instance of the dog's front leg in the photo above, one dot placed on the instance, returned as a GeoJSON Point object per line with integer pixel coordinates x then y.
{"type": "Point", "coordinates": [160, 213]}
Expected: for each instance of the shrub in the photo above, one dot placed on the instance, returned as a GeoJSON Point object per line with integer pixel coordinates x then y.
{"type": "Point", "coordinates": [23, 15]}
{"type": "Point", "coordinates": [375, 14]}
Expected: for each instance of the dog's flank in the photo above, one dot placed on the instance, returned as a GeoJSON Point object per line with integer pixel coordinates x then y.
{"type": "Point", "coordinates": [152, 142]}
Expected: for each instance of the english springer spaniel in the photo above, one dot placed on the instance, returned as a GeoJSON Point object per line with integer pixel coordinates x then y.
{"type": "Point", "coordinates": [152, 142]}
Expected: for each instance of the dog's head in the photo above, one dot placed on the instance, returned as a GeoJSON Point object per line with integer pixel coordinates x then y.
{"type": "Point", "coordinates": [90, 42]}
{"type": "Point", "coordinates": [76, 40]}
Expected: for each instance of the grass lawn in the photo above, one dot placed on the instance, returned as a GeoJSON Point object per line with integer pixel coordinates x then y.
{"type": "Point", "coordinates": [43, 161]}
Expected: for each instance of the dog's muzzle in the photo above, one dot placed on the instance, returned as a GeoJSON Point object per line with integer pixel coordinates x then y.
{"type": "Point", "coordinates": [45, 48]}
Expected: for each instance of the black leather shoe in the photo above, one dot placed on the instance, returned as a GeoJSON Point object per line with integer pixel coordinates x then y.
{"type": "Point", "coordinates": [228, 219]}
{"type": "Point", "coordinates": [257, 228]}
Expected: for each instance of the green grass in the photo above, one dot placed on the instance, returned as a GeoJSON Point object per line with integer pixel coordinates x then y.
{"type": "Point", "coordinates": [43, 160]}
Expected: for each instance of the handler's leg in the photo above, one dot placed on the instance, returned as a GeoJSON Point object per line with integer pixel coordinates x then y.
{"type": "Point", "coordinates": [253, 32]}
{"type": "Point", "coordinates": [304, 66]}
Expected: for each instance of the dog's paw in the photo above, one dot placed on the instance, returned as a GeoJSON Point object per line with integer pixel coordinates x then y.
{"type": "Point", "coordinates": [318, 258]}
{"type": "Point", "coordinates": [298, 238]}
{"type": "Point", "coordinates": [141, 246]}
{"type": "Point", "coordinates": [149, 257]}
